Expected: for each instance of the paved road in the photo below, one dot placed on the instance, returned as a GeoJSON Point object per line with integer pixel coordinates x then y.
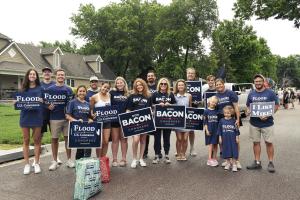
{"type": "Point", "coordinates": [180, 180]}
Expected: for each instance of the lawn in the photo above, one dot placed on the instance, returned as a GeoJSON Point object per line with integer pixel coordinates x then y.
{"type": "Point", "coordinates": [10, 131]}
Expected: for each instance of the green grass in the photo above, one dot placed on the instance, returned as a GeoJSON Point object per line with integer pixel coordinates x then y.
{"type": "Point", "coordinates": [10, 131]}
{"type": "Point", "coordinates": [9, 146]}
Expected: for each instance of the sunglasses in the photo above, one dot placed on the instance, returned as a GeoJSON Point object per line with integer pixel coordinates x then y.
{"type": "Point", "coordinates": [163, 84]}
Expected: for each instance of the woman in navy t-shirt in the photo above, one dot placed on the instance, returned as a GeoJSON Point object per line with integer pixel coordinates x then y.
{"type": "Point", "coordinates": [32, 119]}
{"type": "Point", "coordinates": [118, 98]}
{"type": "Point", "coordinates": [78, 109]}
{"type": "Point", "coordinates": [162, 97]}
{"type": "Point", "coordinates": [138, 100]}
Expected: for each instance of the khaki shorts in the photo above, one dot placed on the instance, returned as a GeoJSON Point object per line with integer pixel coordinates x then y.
{"type": "Point", "coordinates": [59, 126]}
{"type": "Point", "coordinates": [267, 133]}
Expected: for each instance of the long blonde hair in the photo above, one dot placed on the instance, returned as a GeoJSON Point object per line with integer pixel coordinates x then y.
{"type": "Point", "coordinates": [168, 85]}
{"type": "Point", "coordinates": [126, 91]}
{"type": "Point", "coordinates": [176, 85]}
{"type": "Point", "coordinates": [146, 92]}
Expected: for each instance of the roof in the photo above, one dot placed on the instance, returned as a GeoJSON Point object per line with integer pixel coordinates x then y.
{"type": "Point", "coordinates": [92, 58]}
{"type": "Point", "coordinates": [73, 64]}
{"type": "Point", "coordinates": [16, 67]}
{"type": "Point", "coordinates": [5, 37]}
{"type": "Point", "coordinates": [50, 50]}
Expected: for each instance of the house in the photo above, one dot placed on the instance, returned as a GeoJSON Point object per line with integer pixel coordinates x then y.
{"type": "Point", "coordinates": [16, 59]}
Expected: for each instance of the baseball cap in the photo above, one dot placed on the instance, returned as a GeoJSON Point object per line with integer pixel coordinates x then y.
{"type": "Point", "coordinates": [46, 68]}
{"type": "Point", "coordinates": [258, 75]}
{"type": "Point", "coordinates": [94, 78]}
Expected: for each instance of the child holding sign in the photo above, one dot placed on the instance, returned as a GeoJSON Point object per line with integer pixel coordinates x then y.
{"type": "Point", "coordinates": [229, 138]}
{"type": "Point", "coordinates": [210, 128]}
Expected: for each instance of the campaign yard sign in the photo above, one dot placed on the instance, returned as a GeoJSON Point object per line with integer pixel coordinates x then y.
{"type": "Point", "coordinates": [85, 135]}
{"type": "Point", "coordinates": [137, 122]}
{"type": "Point", "coordinates": [194, 118]}
{"type": "Point", "coordinates": [172, 116]}
{"type": "Point", "coordinates": [57, 98]}
{"type": "Point", "coordinates": [262, 109]}
{"type": "Point", "coordinates": [107, 114]}
{"type": "Point", "coordinates": [207, 95]}
{"type": "Point", "coordinates": [28, 101]}
{"type": "Point", "coordinates": [195, 89]}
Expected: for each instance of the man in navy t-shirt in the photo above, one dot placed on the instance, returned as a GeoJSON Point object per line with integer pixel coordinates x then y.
{"type": "Point", "coordinates": [93, 88]}
{"type": "Point", "coordinates": [151, 82]}
{"type": "Point", "coordinates": [58, 122]}
{"type": "Point", "coordinates": [262, 126]}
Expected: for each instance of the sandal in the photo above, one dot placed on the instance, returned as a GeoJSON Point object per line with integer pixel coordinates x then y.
{"type": "Point", "coordinates": [122, 163]}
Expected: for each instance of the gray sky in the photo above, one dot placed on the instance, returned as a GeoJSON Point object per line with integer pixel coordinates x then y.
{"type": "Point", "coordinates": [40, 20]}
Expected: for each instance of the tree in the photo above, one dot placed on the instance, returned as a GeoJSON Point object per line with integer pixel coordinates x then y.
{"type": "Point", "coordinates": [237, 47]}
{"type": "Point", "coordinates": [265, 9]}
{"type": "Point", "coordinates": [288, 71]}
{"type": "Point", "coordinates": [66, 46]}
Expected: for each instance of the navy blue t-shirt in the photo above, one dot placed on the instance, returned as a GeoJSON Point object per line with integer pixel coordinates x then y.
{"type": "Point", "coordinates": [78, 109]}
{"type": "Point", "coordinates": [158, 97]}
{"type": "Point", "coordinates": [58, 113]}
{"type": "Point", "coordinates": [266, 95]}
{"type": "Point", "coordinates": [32, 118]}
{"type": "Point", "coordinates": [152, 88]}
{"type": "Point", "coordinates": [137, 101]}
{"type": "Point", "coordinates": [211, 120]}
{"type": "Point", "coordinates": [117, 98]}
{"type": "Point", "coordinates": [226, 98]}
{"type": "Point", "coordinates": [89, 94]}
{"type": "Point", "coordinates": [45, 86]}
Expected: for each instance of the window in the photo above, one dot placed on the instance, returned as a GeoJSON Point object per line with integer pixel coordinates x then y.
{"type": "Point", "coordinates": [99, 67]}
{"type": "Point", "coordinates": [70, 82]}
{"type": "Point", "coordinates": [56, 60]}
{"type": "Point", "coordinates": [12, 53]}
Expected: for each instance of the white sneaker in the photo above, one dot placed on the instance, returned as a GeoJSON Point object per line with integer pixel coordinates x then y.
{"type": "Point", "coordinates": [192, 152]}
{"type": "Point", "coordinates": [37, 169]}
{"type": "Point", "coordinates": [227, 166]}
{"type": "Point", "coordinates": [238, 164]}
{"type": "Point", "coordinates": [26, 169]}
{"type": "Point", "coordinates": [142, 163]}
{"type": "Point", "coordinates": [214, 163]}
{"type": "Point", "coordinates": [59, 162]}
{"type": "Point", "coordinates": [155, 160]}
{"type": "Point", "coordinates": [234, 168]}
{"type": "Point", "coordinates": [115, 164]}
{"type": "Point", "coordinates": [224, 163]}
{"type": "Point", "coordinates": [70, 164]}
{"type": "Point", "coordinates": [167, 160]}
{"type": "Point", "coordinates": [53, 166]}
{"type": "Point", "coordinates": [133, 163]}
{"type": "Point", "coordinates": [34, 163]}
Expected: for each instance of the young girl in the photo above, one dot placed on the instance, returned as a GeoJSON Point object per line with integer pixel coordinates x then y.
{"type": "Point", "coordinates": [229, 138]}
{"type": "Point", "coordinates": [32, 119]}
{"type": "Point", "coordinates": [210, 128]}
{"type": "Point", "coordinates": [119, 97]}
{"type": "Point", "coordinates": [78, 109]}
{"type": "Point", "coordinates": [102, 99]}
{"type": "Point", "coordinates": [185, 99]}
{"type": "Point", "coordinates": [138, 100]}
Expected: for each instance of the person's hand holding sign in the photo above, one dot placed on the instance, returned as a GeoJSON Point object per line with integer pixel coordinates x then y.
{"type": "Point", "coordinates": [51, 106]}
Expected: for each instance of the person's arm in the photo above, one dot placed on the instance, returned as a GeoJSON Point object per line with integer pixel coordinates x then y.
{"type": "Point", "coordinates": [190, 100]}
{"type": "Point", "coordinates": [237, 112]}
{"type": "Point", "coordinates": [70, 118]}
{"type": "Point", "coordinates": [92, 106]}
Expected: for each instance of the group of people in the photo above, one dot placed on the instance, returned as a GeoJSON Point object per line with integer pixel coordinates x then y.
{"type": "Point", "coordinates": [221, 119]}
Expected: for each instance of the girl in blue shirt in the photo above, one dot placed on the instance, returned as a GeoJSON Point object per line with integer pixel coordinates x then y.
{"type": "Point", "coordinates": [78, 109]}
{"type": "Point", "coordinates": [32, 119]}
{"type": "Point", "coordinates": [229, 138]}
{"type": "Point", "coordinates": [210, 128]}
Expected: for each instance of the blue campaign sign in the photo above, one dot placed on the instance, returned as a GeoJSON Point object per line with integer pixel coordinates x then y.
{"type": "Point", "coordinates": [107, 114]}
{"type": "Point", "coordinates": [28, 101]}
{"type": "Point", "coordinates": [195, 89]}
{"type": "Point", "coordinates": [56, 97]}
{"type": "Point", "coordinates": [194, 118]}
{"type": "Point", "coordinates": [137, 122]}
{"type": "Point", "coordinates": [172, 116]}
{"type": "Point", "coordinates": [262, 109]}
{"type": "Point", "coordinates": [85, 135]}
{"type": "Point", "coordinates": [207, 95]}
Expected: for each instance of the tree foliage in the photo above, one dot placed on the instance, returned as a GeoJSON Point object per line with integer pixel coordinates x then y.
{"type": "Point", "coordinates": [264, 9]}
{"type": "Point", "coordinates": [134, 36]}
{"type": "Point", "coordinates": [243, 54]}
{"type": "Point", "coordinates": [288, 71]}
{"type": "Point", "coordinates": [66, 46]}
